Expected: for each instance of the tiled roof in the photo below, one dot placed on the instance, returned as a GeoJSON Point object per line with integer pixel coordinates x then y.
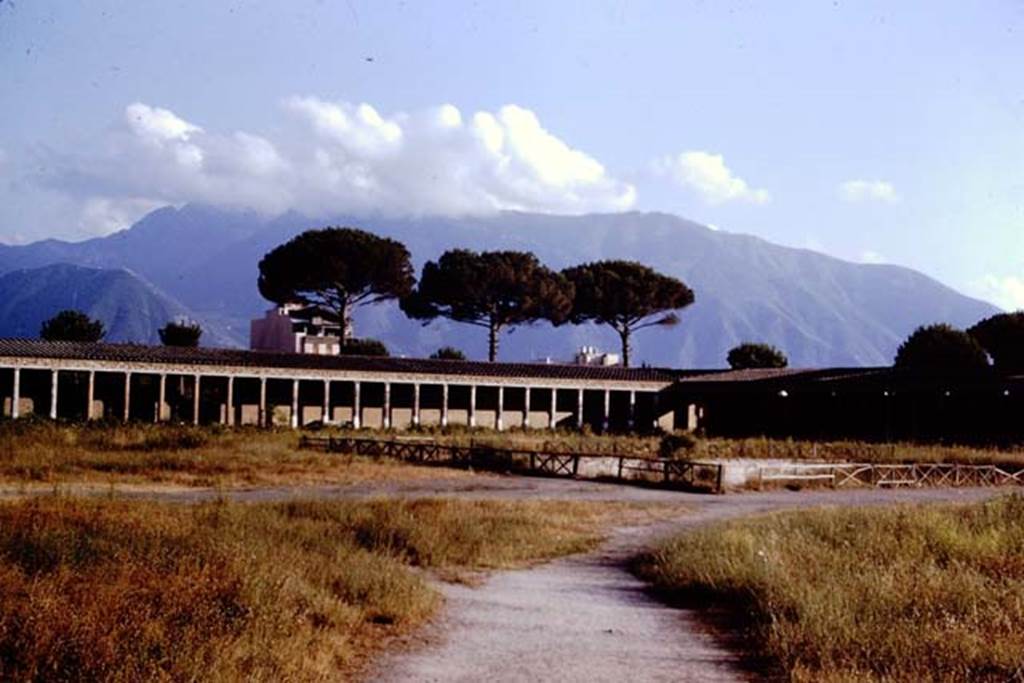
{"type": "Point", "coordinates": [771, 374]}
{"type": "Point", "coordinates": [136, 353]}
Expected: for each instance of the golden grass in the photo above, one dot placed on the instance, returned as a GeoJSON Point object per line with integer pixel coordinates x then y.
{"type": "Point", "coordinates": [124, 591]}
{"type": "Point", "coordinates": [42, 452]}
{"type": "Point", "coordinates": [930, 593]}
{"type": "Point", "coordinates": [858, 451]}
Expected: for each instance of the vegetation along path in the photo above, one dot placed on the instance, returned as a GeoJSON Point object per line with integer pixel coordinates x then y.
{"type": "Point", "coordinates": [587, 618]}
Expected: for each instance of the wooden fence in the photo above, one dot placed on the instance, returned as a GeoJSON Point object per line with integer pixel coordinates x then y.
{"type": "Point", "coordinates": [847, 475]}
{"type": "Point", "coordinates": [683, 474]}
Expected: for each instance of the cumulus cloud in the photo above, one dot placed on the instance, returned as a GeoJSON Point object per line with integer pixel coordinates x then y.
{"type": "Point", "coordinates": [1006, 291]}
{"type": "Point", "coordinates": [708, 176]}
{"type": "Point", "coordinates": [341, 157]}
{"type": "Point", "coordinates": [868, 191]}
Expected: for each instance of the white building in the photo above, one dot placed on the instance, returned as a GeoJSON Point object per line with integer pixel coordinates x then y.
{"type": "Point", "coordinates": [591, 355]}
{"type": "Point", "coordinates": [298, 329]}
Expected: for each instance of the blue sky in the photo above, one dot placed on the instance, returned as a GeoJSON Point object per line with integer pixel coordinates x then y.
{"type": "Point", "coordinates": [871, 131]}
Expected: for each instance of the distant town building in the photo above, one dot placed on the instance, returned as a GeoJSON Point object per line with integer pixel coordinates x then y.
{"type": "Point", "coordinates": [298, 329]}
{"type": "Point", "coordinates": [591, 355]}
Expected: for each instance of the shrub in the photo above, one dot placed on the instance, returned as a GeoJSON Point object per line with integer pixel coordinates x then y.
{"type": "Point", "coordinates": [677, 445]}
{"type": "Point", "coordinates": [940, 348]}
{"type": "Point", "coordinates": [448, 353]}
{"type": "Point", "coordinates": [749, 355]}
{"type": "Point", "coordinates": [364, 347]}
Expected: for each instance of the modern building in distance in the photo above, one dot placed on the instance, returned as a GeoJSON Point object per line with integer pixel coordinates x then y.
{"type": "Point", "coordinates": [591, 355]}
{"type": "Point", "coordinates": [297, 329]}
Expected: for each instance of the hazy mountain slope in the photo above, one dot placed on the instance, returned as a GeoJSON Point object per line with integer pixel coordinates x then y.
{"type": "Point", "coordinates": [130, 308]}
{"type": "Point", "coordinates": [821, 310]}
{"type": "Point", "coordinates": [161, 246]}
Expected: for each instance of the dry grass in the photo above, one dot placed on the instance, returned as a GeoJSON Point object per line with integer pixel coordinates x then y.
{"type": "Point", "coordinates": [126, 591]}
{"type": "Point", "coordinates": [904, 594]}
{"type": "Point", "coordinates": [39, 451]}
{"type": "Point", "coordinates": [569, 440]}
{"type": "Point", "coordinates": [857, 451]}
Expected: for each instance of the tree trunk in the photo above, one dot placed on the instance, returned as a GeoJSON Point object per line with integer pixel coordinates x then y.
{"type": "Point", "coordinates": [492, 341]}
{"type": "Point", "coordinates": [344, 324]}
{"type": "Point", "coordinates": [624, 336]}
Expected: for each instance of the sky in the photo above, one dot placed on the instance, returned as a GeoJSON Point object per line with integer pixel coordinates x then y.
{"type": "Point", "coordinates": [872, 131]}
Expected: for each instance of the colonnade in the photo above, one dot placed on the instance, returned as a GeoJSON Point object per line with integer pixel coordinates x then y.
{"type": "Point", "coordinates": [268, 400]}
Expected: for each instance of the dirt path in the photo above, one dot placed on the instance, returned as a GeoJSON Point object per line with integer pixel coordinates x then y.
{"type": "Point", "coordinates": [586, 618]}
{"type": "Point", "coordinates": [581, 618]}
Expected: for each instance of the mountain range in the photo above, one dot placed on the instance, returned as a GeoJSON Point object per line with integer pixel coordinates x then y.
{"type": "Point", "coordinates": [131, 309]}
{"type": "Point", "coordinates": [201, 262]}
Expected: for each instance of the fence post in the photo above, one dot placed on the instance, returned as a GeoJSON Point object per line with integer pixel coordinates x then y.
{"type": "Point", "coordinates": [718, 484]}
{"type": "Point", "coordinates": [575, 465]}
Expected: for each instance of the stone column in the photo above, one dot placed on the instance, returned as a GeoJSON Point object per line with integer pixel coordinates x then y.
{"type": "Point", "coordinates": [161, 399]}
{"type": "Point", "coordinates": [325, 417]}
{"type": "Point", "coordinates": [579, 408]}
{"type": "Point", "coordinates": [16, 394]}
{"type": "Point", "coordinates": [416, 404]}
{"type": "Point", "coordinates": [53, 394]}
{"type": "Point", "coordinates": [295, 421]}
{"type": "Point", "coordinates": [444, 405]}
{"type": "Point", "coordinates": [357, 409]}
{"type": "Point", "coordinates": [127, 396]}
{"type": "Point", "coordinates": [553, 409]}
{"type": "Point", "coordinates": [607, 410]}
{"type": "Point", "coordinates": [90, 395]}
{"type": "Point", "coordinates": [526, 408]}
{"type": "Point", "coordinates": [196, 387]}
{"type": "Point", "coordinates": [632, 410]}
{"type": "Point", "coordinates": [386, 418]}
{"type": "Point", "coordinates": [229, 410]}
{"type": "Point", "coordinates": [472, 405]}
{"type": "Point", "coordinates": [500, 413]}
{"type": "Point", "coordinates": [264, 419]}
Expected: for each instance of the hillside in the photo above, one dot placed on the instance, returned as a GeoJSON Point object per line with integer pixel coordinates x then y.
{"type": "Point", "coordinates": [820, 310]}
{"type": "Point", "coordinates": [130, 308]}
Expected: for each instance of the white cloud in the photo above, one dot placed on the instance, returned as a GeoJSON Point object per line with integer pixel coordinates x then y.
{"type": "Point", "coordinates": [103, 215]}
{"type": "Point", "coordinates": [157, 125]}
{"type": "Point", "coordinates": [342, 157]}
{"type": "Point", "coordinates": [868, 256]}
{"type": "Point", "coordinates": [868, 191]}
{"type": "Point", "coordinates": [1006, 291]}
{"type": "Point", "coordinates": [708, 176]}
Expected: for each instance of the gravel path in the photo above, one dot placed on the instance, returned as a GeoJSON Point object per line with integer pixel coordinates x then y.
{"type": "Point", "coordinates": [586, 618]}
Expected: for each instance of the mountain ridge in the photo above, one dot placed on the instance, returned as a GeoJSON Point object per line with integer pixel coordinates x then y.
{"type": "Point", "coordinates": [820, 309]}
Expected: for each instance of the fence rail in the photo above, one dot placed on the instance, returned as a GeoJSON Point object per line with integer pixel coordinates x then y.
{"type": "Point", "coordinates": [683, 474]}
{"type": "Point", "coordinates": [847, 475]}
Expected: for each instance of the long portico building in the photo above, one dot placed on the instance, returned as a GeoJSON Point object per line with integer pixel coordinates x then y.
{"type": "Point", "coordinates": [235, 387]}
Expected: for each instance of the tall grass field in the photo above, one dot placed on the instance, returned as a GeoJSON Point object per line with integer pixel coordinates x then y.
{"type": "Point", "coordinates": [135, 591]}
{"type": "Point", "coordinates": [931, 593]}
